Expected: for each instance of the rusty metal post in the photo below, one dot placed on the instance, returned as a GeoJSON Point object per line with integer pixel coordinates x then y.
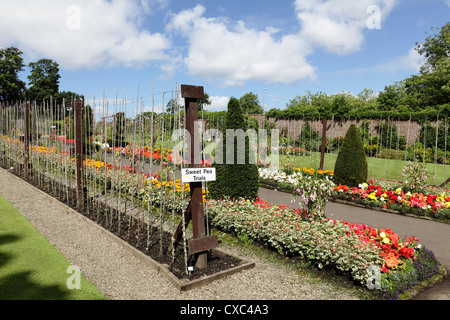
{"type": "Point", "coordinates": [26, 139]}
{"type": "Point", "coordinates": [78, 108]}
{"type": "Point", "coordinates": [324, 141]}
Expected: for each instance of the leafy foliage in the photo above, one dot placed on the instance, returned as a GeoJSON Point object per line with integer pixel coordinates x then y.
{"type": "Point", "coordinates": [11, 63]}
{"type": "Point", "coordinates": [351, 164]}
{"type": "Point", "coordinates": [250, 104]}
{"type": "Point", "coordinates": [43, 80]}
{"type": "Point", "coordinates": [234, 179]}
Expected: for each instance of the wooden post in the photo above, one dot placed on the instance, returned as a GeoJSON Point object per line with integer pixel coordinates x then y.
{"type": "Point", "coordinates": [191, 94]}
{"type": "Point", "coordinates": [324, 141]}
{"type": "Point", "coordinates": [200, 242]}
{"type": "Point", "coordinates": [78, 108]}
{"type": "Point", "coordinates": [1, 120]}
{"type": "Point", "coordinates": [26, 139]}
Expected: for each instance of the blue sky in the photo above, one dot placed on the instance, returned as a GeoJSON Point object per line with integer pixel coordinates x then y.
{"type": "Point", "coordinates": [275, 49]}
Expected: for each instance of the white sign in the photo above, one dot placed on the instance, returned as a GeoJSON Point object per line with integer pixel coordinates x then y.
{"type": "Point", "coordinates": [198, 174]}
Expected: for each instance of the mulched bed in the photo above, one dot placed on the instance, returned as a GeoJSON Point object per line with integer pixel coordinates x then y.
{"type": "Point", "coordinates": [135, 233]}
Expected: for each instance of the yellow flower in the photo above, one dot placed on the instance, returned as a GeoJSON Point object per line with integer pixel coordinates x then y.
{"type": "Point", "coordinates": [372, 196]}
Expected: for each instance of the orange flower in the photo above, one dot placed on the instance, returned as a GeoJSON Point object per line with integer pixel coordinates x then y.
{"type": "Point", "coordinates": [390, 260]}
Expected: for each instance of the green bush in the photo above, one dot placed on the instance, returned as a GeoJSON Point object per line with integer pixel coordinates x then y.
{"type": "Point", "coordinates": [120, 130]}
{"type": "Point", "coordinates": [351, 164]}
{"type": "Point", "coordinates": [232, 179]}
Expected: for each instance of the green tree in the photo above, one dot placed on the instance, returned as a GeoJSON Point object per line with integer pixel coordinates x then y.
{"type": "Point", "coordinates": [365, 100]}
{"type": "Point", "coordinates": [43, 80]}
{"type": "Point", "coordinates": [11, 64]}
{"type": "Point", "coordinates": [351, 164]}
{"type": "Point", "coordinates": [340, 105]}
{"type": "Point", "coordinates": [429, 89]}
{"type": "Point", "coordinates": [120, 125]}
{"type": "Point", "coordinates": [201, 103]}
{"type": "Point", "coordinates": [432, 86]}
{"type": "Point", "coordinates": [235, 180]}
{"type": "Point", "coordinates": [435, 48]}
{"type": "Point", "coordinates": [391, 97]}
{"type": "Point", "coordinates": [250, 104]}
{"type": "Point", "coordinates": [64, 97]}
{"type": "Point", "coordinates": [172, 106]}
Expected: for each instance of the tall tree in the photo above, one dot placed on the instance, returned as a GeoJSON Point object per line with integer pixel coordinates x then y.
{"type": "Point", "coordinates": [11, 63]}
{"type": "Point", "coordinates": [235, 180]}
{"type": "Point", "coordinates": [201, 103]}
{"type": "Point", "coordinates": [435, 48]}
{"type": "Point", "coordinates": [432, 86]}
{"type": "Point", "coordinates": [250, 104]}
{"type": "Point", "coordinates": [172, 106]}
{"type": "Point", "coordinates": [43, 80]}
{"type": "Point", "coordinates": [65, 97]}
{"type": "Point", "coordinates": [391, 97]}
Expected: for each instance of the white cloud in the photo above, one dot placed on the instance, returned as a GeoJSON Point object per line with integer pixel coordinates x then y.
{"type": "Point", "coordinates": [218, 103]}
{"type": "Point", "coordinates": [238, 54]}
{"type": "Point", "coordinates": [410, 62]}
{"type": "Point", "coordinates": [338, 25]}
{"type": "Point", "coordinates": [234, 53]}
{"type": "Point", "coordinates": [82, 33]}
{"type": "Point", "coordinates": [447, 2]}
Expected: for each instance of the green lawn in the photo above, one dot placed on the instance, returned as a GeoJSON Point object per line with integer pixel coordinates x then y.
{"type": "Point", "coordinates": [378, 167]}
{"type": "Point", "coordinates": [30, 267]}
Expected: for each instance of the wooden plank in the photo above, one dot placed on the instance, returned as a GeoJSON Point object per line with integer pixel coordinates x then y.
{"type": "Point", "coordinates": [324, 141]}
{"type": "Point", "coordinates": [78, 118]}
{"type": "Point", "coordinates": [27, 138]}
{"type": "Point", "coordinates": [179, 231]}
{"type": "Point", "coordinates": [193, 92]}
{"type": "Point", "coordinates": [203, 244]}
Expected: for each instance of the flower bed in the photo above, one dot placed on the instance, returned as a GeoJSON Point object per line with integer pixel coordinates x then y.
{"type": "Point", "coordinates": [355, 249]}
{"type": "Point", "coordinates": [304, 232]}
{"type": "Point", "coordinates": [290, 179]}
{"type": "Point", "coordinates": [388, 196]}
{"type": "Point", "coordinates": [147, 154]}
{"type": "Point", "coordinates": [435, 206]}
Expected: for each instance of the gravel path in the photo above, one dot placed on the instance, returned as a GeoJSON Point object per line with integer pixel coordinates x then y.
{"type": "Point", "coordinates": [121, 276]}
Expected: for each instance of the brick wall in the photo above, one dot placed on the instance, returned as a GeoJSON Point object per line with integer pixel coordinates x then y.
{"type": "Point", "coordinates": [409, 129]}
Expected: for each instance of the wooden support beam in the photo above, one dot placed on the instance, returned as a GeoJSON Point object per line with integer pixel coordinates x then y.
{"type": "Point", "coordinates": [444, 183]}
{"type": "Point", "coordinates": [1, 118]}
{"type": "Point", "coordinates": [200, 243]}
{"type": "Point", "coordinates": [26, 139]}
{"type": "Point", "coordinates": [179, 231]}
{"type": "Point", "coordinates": [324, 141]}
{"type": "Point", "coordinates": [78, 108]}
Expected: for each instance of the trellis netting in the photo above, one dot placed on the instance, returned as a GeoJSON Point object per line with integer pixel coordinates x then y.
{"type": "Point", "coordinates": [115, 159]}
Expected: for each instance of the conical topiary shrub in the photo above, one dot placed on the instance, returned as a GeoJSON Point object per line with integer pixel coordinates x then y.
{"type": "Point", "coordinates": [351, 164]}
{"type": "Point", "coordinates": [234, 180]}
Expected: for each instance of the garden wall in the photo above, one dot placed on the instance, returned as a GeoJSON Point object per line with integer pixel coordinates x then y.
{"type": "Point", "coordinates": [409, 129]}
